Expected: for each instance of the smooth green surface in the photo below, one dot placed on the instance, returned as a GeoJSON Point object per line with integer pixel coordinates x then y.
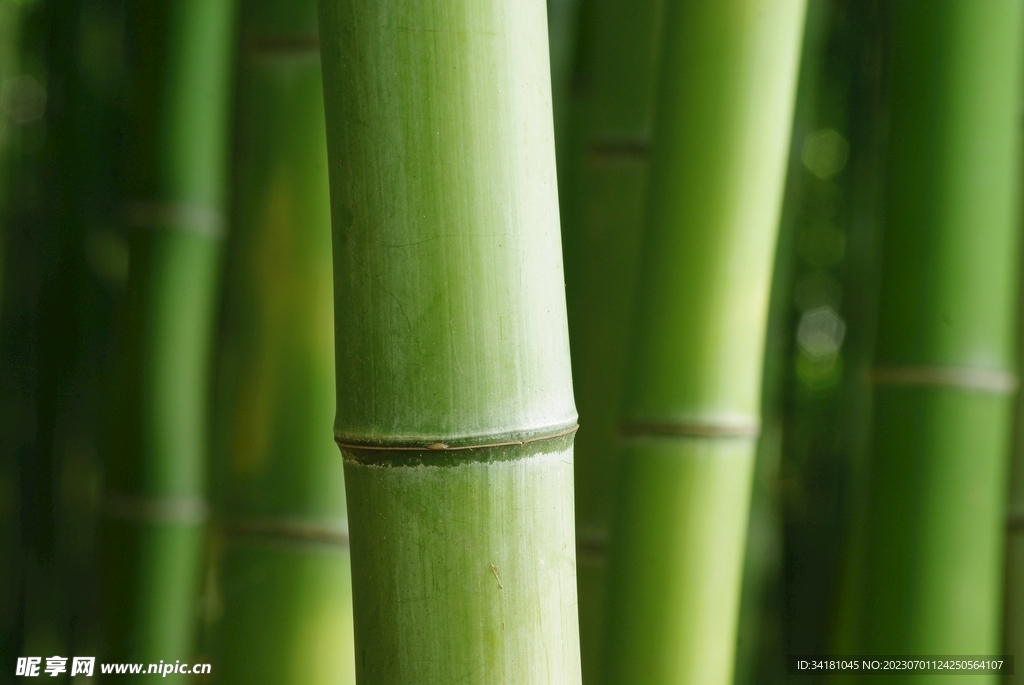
{"type": "Point", "coordinates": [179, 55]}
{"type": "Point", "coordinates": [283, 577]}
{"type": "Point", "coordinates": [724, 102]}
{"type": "Point", "coordinates": [938, 524]}
{"type": "Point", "coordinates": [155, 443]}
{"type": "Point", "coordinates": [152, 573]}
{"type": "Point", "coordinates": [448, 268]}
{"type": "Point", "coordinates": [466, 573]}
{"type": "Point", "coordinates": [938, 483]}
{"type": "Point", "coordinates": [563, 34]}
{"type": "Point", "coordinates": [287, 615]}
{"type": "Point", "coordinates": [680, 622]}
{"type": "Point", "coordinates": [603, 177]}
{"type": "Point", "coordinates": [600, 333]}
{"type": "Point", "coordinates": [272, 438]}
{"type": "Point", "coordinates": [949, 263]}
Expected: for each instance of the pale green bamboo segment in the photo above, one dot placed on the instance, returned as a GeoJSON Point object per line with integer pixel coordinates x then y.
{"type": "Point", "coordinates": [283, 574]}
{"type": "Point", "coordinates": [691, 414]}
{"type": "Point", "coordinates": [450, 307]}
{"type": "Point", "coordinates": [448, 272]}
{"type": "Point", "coordinates": [472, 571]}
{"type": "Point", "coordinates": [721, 134]}
{"type": "Point", "coordinates": [684, 518]}
{"type": "Point", "coordinates": [155, 443]}
{"type": "Point", "coordinates": [945, 355]}
{"type": "Point", "coordinates": [287, 614]}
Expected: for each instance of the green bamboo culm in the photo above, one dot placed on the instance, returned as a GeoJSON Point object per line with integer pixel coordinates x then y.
{"type": "Point", "coordinates": [943, 375]}
{"type": "Point", "coordinates": [283, 579]}
{"type": "Point", "coordinates": [10, 582]}
{"type": "Point", "coordinates": [602, 186]}
{"type": "Point", "coordinates": [180, 56]}
{"type": "Point", "coordinates": [455, 409]}
{"type": "Point", "coordinates": [691, 409]}
{"type": "Point", "coordinates": [563, 33]}
{"type": "Point", "coordinates": [10, 29]}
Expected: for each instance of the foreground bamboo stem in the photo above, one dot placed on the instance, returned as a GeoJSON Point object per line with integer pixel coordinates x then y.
{"type": "Point", "coordinates": [455, 411]}
{"type": "Point", "coordinates": [155, 445]}
{"type": "Point", "coordinates": [944, 357]}
{"type": "Point", "coordinates": [283, 576]}
{"type": "Point", "coordinates": [691, 416]}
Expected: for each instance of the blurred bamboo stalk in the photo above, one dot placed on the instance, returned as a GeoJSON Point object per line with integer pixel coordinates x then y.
{"type": "Point", "coordinates": [945, 355]}
{"type": "Point", "coordinates": [49, 261]}
{"type": "Point", "coordinates": [455, 410]}
{"type": "Point", "coordinates": [283, 577]}
{"type": "Point", "coordinates": [10, 62]}
{"type": "Point", "coordinates": [180, 57]}
{"type": "Point", "coordinates": [563, 38]}
{"type": "Point", "coordinates": [12, 405]}
{"type": "Point", "coordinates": [602, 183]}
{"type": "Point", "coordinates": [691, 415]}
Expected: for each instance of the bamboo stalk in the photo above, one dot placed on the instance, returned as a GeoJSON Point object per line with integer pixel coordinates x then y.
{"type": "Point", "coordinates": [154, 447]}
{"type": "Point", "coordinates": [284, 571]}
{"type": "Point", "coordinates": [11, 404]}
{"type": "Point", "coordinates": [10, 28]}
{"type": "Point", "coordinates": [55, 320]}
{"type": "Point", "coordinates": [603, 178]}
{"type": "Point", "coordinates": [455, 411]}
{"type": "Point", "coordinates": [725, 98]}
{"type": "Point", "coordinates": [944, 359]}
{"type": "Point", "coordinates": [563, 35]}
{"type": "Point", "coordinates": [827, 417]}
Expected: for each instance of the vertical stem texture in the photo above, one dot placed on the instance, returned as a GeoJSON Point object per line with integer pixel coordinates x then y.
{"type": "Point", "coordinates": [155, 445]}
{"type": "Point", "coordinates": [283, 576]}
{"type": "Point", "coordinates": [944, 359]}
{"type": "Point", "coordinates": [455, 409]}
{"type": "Point", "coordinates": [691, 412]}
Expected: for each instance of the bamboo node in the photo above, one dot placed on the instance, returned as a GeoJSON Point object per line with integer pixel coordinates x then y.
{"type": "Point", "coordinates": [175, 215]}
{"type": "Point", "coordinates": [592, 543]}
{"type": "Point", "coordinates": [984, 380]}
{"type": "Point", "coordinates": [441, 453]}
{"type": "Point", "coordinates": [290, 530]}
{"type": "Point", "coordinates": [419, 446]}
{"type": "Point", "coordinates": [690, 429]}
{"type": "Point", "coordinates": [145, 509]}
{"type": "Point", "coordinates": [621, 149]}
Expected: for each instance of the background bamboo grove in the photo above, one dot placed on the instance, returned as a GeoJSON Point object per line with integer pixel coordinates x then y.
{"type": "Point", "coordinates": [587, 342]}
